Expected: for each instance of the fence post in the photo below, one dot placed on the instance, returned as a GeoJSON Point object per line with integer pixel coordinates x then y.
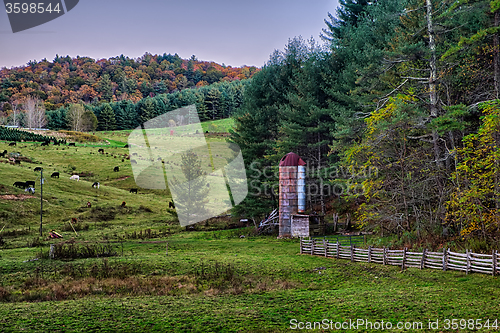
{"type": "Point", "coordinates": [444, 259]}
{"type": "Point", "coordinates": [384, 257]}
{"type": "Point", "coordinates": [312, 246]}
{"type": "Point", "coordinates": [338, 250]}
{"type": "Point", "coordinates": [404, 260]}
{"type": "Point", "coordinates": [467, 253]}
{"type": "Point", "coordinates": [352, 252]}
{"type": "Point", "coordinates": [422, 261]}
{"type": "Point", "coordinates": [494, 262]}
{"type": "Point", "coordinates": [324, 245]}
{"type": "Point", "coordinates": [369, 253]}
{"type": "Point", "coordinates": [300, 245]}
{"type": "Point", "coordinates": [51, 252]}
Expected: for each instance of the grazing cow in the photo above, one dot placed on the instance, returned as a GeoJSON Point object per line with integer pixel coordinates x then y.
{"type": "Point", "coordinates": [54, 175]}
{"type": "Point", "coordinates": [126, 146]}
{"type": "Point", "coordinates": [171, 205]}
{"type": "Point", "coordinates": [133, 162]}
{"type": "Point", "coordinates": [30, 183]}
{"type": "Point", "coordinates": [17, 162]}
{"type": "Point", "coordinates": [124, 204]}
{"type": "Point", "coordinates": [89, 205]}
{"type": "Point", "coordinates": [133, 190]}
{"type": "Point", "coordinates": [12, 144]}
{"type": "Point", "coordinates": [37, 169]}
{"type": "Point", "coordinates": [75, 177]}
{"type": "Point", "coordinates": [116, 169]}
{"type": "Point", "coordinates": [72, 144]}
{"type": "Point", "coordinates": [2, 154]}
{"type": "Point", "coordinates": [20, 184]}
{"type": "Point", "coordinates": [101, 151]}
{"type": "Point", "coordinates": [96, 184]}
{"type": "Point", "coordinates": [45, 143]}
{"type": "Point", "coordinates": [30, 190]}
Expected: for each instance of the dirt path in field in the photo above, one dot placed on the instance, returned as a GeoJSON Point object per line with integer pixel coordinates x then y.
{"type": "Point", "coordinates": [121, 178]}
{"type": "Point", "coordinates": [16, 197]}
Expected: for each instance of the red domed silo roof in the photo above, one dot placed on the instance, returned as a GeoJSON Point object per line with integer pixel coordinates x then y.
{"type": "Point", "coordinates": [291, 159]}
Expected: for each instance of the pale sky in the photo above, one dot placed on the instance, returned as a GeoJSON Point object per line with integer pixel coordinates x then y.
{"type": "Point", "coordinates": [232, 32]}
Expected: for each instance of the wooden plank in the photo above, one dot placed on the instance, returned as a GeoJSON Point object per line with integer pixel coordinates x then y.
{"type": "Point", "coordinates": [488, 269]}
{"type": "Point", "coordinates": [481, 260]}
{"type": "Point", "coordinates": [456, 266]}
{"type": "Point", "coordinates": [481, 255]}
{"type": "Point", "coordinates": [435, 261]}
{"type": "Point", "coordinates": [457, 261]}
{"type": "Point", "coordinates": [463, 255]}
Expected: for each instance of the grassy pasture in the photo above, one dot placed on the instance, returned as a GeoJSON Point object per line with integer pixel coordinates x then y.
{"type": "Point", "coordinates": [212, 280]}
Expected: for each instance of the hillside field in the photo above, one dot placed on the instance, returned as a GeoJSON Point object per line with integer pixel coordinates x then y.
{"type": "Point", "coordinates": [134, 268]}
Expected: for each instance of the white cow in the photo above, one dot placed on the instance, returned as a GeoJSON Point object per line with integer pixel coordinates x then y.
{"type": "Point", "coordinates": [75, 177]}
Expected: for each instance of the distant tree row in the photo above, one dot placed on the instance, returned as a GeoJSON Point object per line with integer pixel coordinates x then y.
{"type": "Point", "coordinates": [67, 80]}
{"type": "Point", "coordinates": [217, 101]}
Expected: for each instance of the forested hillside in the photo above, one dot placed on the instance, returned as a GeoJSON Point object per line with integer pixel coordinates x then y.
{"type": "Point", "coordinates": [161, 82]}
{"type": "Point", "coordinates": [396, 116]}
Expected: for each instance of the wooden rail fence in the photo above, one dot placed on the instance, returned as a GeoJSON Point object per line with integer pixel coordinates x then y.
{"type": "Point", "coordinates": [445, 260]}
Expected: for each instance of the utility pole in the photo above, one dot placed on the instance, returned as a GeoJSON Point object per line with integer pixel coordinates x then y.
{"type": "Point", "coordinates": [41, 200]}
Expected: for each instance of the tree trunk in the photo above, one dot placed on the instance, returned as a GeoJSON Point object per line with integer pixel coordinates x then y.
{"type": "Point", "coordinates": [432, 82]}
{"type": "Point", "coordinates": [496, 67]}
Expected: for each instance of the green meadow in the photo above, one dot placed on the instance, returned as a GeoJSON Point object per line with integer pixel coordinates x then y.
{"type": "Point", "coordinates": [127, 265]}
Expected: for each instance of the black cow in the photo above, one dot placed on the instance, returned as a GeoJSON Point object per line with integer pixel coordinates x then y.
{"type": "Point", "coordinates": [72, 144]}
{"type": "Point", "coordinates": [30, 183]}
{"type": "Point", "coordinates": [171, 205]}
{"type": "Point", "coordinates": [126, 146]}
{"type": "Point", "coordinates": [12, 144]}
{"type": "Point", "coordinates": [96, 184]}
{"type": "Point", "coordinates": [54, 175]}
{"type": "Point", "coordinates": [37, 169]}
{"type": "Point", "coordinates": [101, 151]}
{"type": "Point", "coordinates": [17, 162]}
{"type": "Point", "coordinates": [44, 143]}
{"type": "Point", "coordinates": [133, 190]}
{"type": "Point", "coordinates": [116, 169]}
{"type": "Point", "coordinates": [20, 184]}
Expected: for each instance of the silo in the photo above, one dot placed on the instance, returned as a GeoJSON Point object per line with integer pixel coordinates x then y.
{"type": "Point", "coordinates": [289, 193]}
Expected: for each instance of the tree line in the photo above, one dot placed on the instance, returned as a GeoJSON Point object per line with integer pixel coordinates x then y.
{"type": "Point", "coordinates": [67, 80]}
{"type": "Point", "coordinates": [216, 101]}
{"type": "Point", "coordinates": [408, 89]}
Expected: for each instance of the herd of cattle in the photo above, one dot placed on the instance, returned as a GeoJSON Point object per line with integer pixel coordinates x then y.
{"type": "Point", "coordinates": [30, 185]}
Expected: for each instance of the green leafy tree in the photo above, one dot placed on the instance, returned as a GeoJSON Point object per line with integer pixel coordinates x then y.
{"type": "Point", "coordinates": [192, 191]}
{"type": "Point", "coordinates": [107, 119]}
